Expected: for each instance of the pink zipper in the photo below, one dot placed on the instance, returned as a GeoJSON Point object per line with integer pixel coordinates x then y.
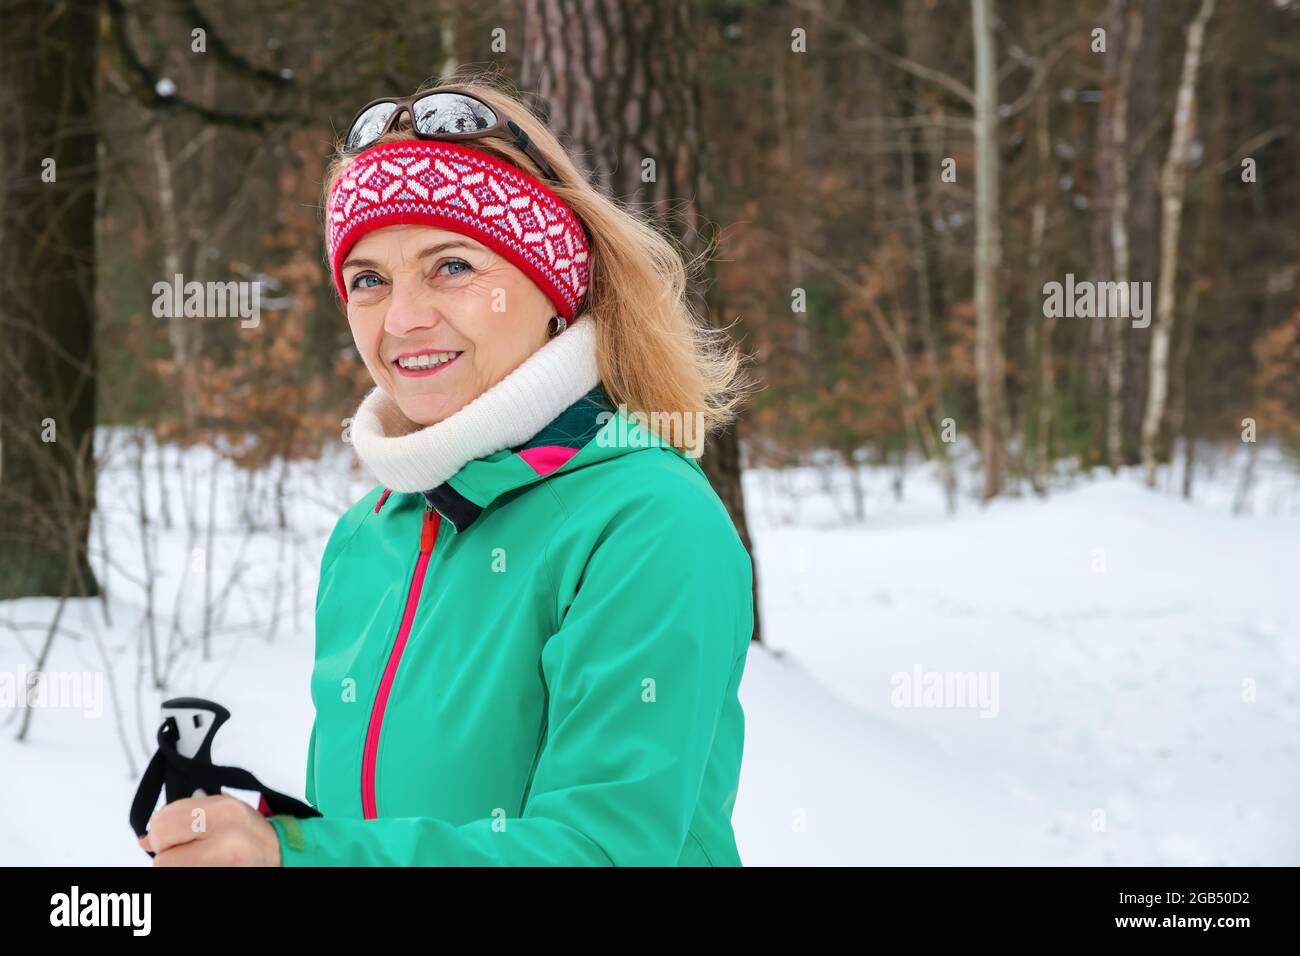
{"type": "Point", "coordinates": [428, 535]}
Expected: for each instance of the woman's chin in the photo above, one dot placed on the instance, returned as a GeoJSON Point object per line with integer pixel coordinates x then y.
{"type": "Point", "coordinates": [427, 408]}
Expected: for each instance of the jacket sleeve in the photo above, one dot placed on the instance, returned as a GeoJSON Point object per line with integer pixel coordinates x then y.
{"type": "Point", "coordinates": [637, 673]}
{"type": "Point", "coordinates": [310, 788]}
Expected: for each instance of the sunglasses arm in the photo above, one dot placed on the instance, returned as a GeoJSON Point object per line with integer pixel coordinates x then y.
{"type": "Point", "coordinates": [522, 142]}
{"type": "Point", "coordinates": [521, 138]}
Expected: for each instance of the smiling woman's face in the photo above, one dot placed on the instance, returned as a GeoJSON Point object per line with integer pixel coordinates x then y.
{"type": "Point", "coordinates": [439, 318]}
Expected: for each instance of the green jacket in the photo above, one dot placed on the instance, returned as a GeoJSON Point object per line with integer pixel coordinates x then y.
{"type": "Point", "coordinates": [535, 663]}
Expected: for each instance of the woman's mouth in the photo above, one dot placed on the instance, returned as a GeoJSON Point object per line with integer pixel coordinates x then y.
{"type": "Point", "coordinates": [423, 364]}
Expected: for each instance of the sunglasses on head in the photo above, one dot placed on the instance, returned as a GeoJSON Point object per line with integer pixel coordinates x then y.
{"type": "Point", "coordinates": [444, 114]}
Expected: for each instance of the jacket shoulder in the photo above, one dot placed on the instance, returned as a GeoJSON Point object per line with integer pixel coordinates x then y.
{"type": "Point", "coordinates": [654, 499]}
{"type": "Point", "coordinates": [656, 478]}
{"type": "Point", "coordinates": [348, 524]}
{"type": "Point", "coordinates": [651, 516]}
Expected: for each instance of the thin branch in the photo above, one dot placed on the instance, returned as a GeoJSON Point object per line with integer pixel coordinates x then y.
{"type": "Point", "coordinates": [1040, 74]}
{"type": "Point", "coordinates": [1255, 142]}
{"type": "Point", "coordinates": [227, 55]}
{"type": "Point", "coordinates": [147, 83]}
{"type": "Point", "coordinates": [920, 70]}
{"type": "Point", "coordinates": [940, 121]}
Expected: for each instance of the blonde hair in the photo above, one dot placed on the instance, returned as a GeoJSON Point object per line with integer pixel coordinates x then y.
{"type": "Point", "coordinates": [654, 354]}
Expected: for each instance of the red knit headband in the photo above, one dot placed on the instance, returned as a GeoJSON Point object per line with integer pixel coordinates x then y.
{"type": "Point", "coordinates": [434, 183]}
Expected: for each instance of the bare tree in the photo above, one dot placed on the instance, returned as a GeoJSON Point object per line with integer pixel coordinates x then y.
{"type": "Point", "coordinates": [1173, 184]}
{"type": "Point", "coordinates": [989, 359]}
{"type": "Point", "coordinates": [1115, 149]}
{"type": "Point", "coordinates": [1043, 370]}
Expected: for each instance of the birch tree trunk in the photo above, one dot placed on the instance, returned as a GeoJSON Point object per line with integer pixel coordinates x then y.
{"type": "Point", "coordinates": [1173, 183]}
{"type": "Point", "coordinates": [1132, 27]}
{"type": "Point", "coordinates": [179, 327]}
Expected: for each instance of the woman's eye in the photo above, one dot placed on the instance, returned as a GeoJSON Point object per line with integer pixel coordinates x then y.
{"type": "Point", "coordinates": [456, 267]}
{"type": "Point", "coordinates": [360, 282]}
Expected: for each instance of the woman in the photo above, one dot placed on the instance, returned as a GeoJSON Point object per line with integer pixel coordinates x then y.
{"type": "Point", "coordinates": [530, 633]}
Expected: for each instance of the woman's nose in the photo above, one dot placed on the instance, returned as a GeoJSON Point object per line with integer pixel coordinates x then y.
{"type": "Point", "coordinates": [409, 310]}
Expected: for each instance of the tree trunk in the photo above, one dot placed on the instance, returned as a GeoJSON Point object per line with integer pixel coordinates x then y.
{"type": "Point", "coordinates": [1144, 107]}
{"type": "Point", "coordinates": [988, 254]}
{"type": "Point", "coordinates": [1206, 265]}
{"type": "Point", "coordinates": [48, 145]}
{"type": "Point", "coordinates": [179, 327]}
{"type": "Point", "coordinates": [1118, 146]}
{"type": "Point", "coordinates": [1044, 372]}
{"type": "Point", "coordinates": [1173, 181]}
{"type": "Point", "coordinates": [924, 307]}
{"type": "Point", "coordinates": [624, 88]}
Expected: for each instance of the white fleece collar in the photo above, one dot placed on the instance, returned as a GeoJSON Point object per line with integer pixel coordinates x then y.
{"type": "Point", "coordinates": [405, 456]}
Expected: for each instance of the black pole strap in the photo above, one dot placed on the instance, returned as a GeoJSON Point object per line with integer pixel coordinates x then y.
{"type": "Point", "coordinates": [181, 776]}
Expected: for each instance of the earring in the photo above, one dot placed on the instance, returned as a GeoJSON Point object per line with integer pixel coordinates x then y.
{"type": "Point", "coordinates": [557, 325]}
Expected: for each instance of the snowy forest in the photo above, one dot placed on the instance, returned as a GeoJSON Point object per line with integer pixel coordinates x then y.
{"type": "Point", "coordinates": [1018, 282]}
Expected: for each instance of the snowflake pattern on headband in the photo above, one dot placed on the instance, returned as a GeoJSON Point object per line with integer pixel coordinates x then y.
{"type": "Point", "coordinates": [458, 188]}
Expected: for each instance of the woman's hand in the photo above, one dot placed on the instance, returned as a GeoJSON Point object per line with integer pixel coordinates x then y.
{"type": "Point", "coordinates": [211, 831]}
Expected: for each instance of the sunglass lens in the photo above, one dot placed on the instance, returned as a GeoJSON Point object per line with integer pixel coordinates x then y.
{"type": "Point", "coordinates": [366, 129]}
{"type": "Point", "coordinates": [452, 113]}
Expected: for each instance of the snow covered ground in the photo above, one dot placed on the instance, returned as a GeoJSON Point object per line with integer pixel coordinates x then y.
{"type": "Point", "coordinates": [1107, 676]}
{"type": "Point", "coordinates": [1146, 653]}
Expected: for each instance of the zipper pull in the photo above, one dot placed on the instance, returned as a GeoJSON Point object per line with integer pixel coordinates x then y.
{"type": "Point", "coordinates": [429, 529]}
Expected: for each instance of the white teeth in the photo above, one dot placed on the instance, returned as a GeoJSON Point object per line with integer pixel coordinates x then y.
{"type": "Point", "coordinates": [427, 360]}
